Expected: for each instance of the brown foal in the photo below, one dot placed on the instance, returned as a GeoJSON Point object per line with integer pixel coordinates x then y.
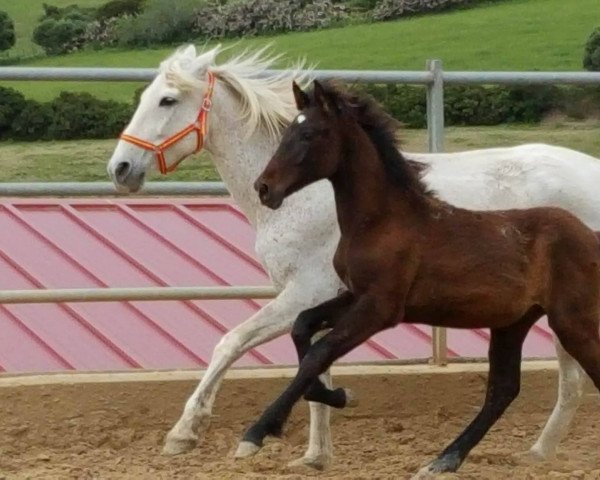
{"type": "Point", "coordinates": [406, 256]}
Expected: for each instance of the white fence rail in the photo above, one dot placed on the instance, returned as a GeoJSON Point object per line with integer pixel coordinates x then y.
{"type": "Point", "coordinates": [434, 78]}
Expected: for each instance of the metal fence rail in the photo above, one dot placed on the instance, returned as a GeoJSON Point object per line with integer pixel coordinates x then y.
{"type": "Point", "coordinates": [103, 189]}
{"type": "Point", "coordinates": [130, 294]}
{"type": "Point", "coordinates": [433, 77]}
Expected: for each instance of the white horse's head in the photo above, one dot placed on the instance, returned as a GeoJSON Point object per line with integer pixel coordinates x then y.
{"type": "Point", "coordinates": [175, 118]}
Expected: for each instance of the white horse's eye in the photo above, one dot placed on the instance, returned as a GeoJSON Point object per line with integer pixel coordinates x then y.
{"type": "Point", "coordinates": [167, 101]}
{"type": "Point", "coordinates": [300, 118]}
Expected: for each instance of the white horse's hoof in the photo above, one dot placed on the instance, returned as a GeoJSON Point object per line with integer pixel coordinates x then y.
{"type": "Point", "coordinates": [351, 399]}
{"type": "Point", "coordinates": [317, 462]}
{"type": "Point", "coordinates": [178, 445]}
{"type": "Point", "coordinates": [533, 455]}
{"type": "Point", "coordinates": [423, 474]}
{"type": "Point", "coordinates": [246, 449]}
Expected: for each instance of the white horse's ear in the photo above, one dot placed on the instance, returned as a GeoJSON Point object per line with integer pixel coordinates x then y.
{"type": "Point", "coordinates": [189, 51]}
{"type": "Point", "coordinates": [204, 61]}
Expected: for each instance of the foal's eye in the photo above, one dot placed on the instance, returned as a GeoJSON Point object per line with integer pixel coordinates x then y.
{"type": "Point", "coordinates": [167, 101]}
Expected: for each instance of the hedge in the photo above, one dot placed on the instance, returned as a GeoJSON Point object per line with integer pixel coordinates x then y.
{"type": "Point", "coordinates": [69, 116]}
{"type": "Point", "coordinates": [80, 115]}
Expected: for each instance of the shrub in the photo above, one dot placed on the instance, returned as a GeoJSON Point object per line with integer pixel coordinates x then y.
{"type": "Point", "coordinates": [81, 115]}
{"type": "Point", "coordinates": [61, 35]}
{"type": "Point", "coordinates": [119, 8]}
{"type": "Point", "coordinates": [101, 34]}
{"type": "Point", "coordinates": [388, 9]}
{"type": "Point", "coordinates": [591, 56]}
{"type": "Point", "coordinates": [162, 21]}
{"type": "Point", "coordinates": [254, 17]}
{"type": "Point", "coordinates": [70, 11]}
{"type": "Point", "coordinates": [11, 104]}
{"type": "Point", "coordinates": [32, 122]}
{"type": "Point", "coordinates": [7, 32]}
{"type": "Point", "coordinates": [469, 105]}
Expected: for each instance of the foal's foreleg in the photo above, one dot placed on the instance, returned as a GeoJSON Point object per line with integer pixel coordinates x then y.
{"type": "Point", "coordinates": [350, 331]}
{"type": "Point", "coordinates": [571, 380]}
{"type": "Point", "coordinates": [323, 316]}
{"type": "Point", "coordinates": [503, 387]}
{"type": "Point", "coordinates": [273, 320]}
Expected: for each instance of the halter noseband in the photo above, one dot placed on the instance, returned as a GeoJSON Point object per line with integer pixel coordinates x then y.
{"type": "Point", "coordinates": [199, 126]}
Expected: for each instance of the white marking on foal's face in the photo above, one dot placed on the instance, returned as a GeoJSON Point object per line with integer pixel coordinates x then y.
{"type": "Point", "coordinates": [300, 118]}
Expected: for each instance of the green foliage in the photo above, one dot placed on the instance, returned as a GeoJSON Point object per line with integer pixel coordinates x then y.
{"type": "Point", "coordinates": [468, 105]}
{"type": "Point", "coordinates": [72, 12]}
{"type": "Point", "coordinates": [161, 22]}
{"type": "Point", "coordinates": [389, 9]}
{"type": "Point", "coordinates": [591, 55]}
{"type": "Point", "coordinates": [239, 18]}
{"type": "Point", "coordinates": [33, 122]}
{"type": "Point", "coordinates": [80, 115]}
{"type": "Point", "coordinates": [11, 104]}
{"type": "Point", "coordinates": [69, 116]}
{"type": "Point", "coordinates": [59, 36]}
{"type": "Point", "coordinates": [7, 32]}
{"type": "Point", "coordinates": [119, 8]}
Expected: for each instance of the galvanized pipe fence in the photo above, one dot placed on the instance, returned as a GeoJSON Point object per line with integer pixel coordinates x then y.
{"type": "Point", "coordinates": [433, 77]}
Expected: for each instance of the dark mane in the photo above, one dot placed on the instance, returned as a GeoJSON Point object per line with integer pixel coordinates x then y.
{"type": "Point", "coordinates": [382, 129]}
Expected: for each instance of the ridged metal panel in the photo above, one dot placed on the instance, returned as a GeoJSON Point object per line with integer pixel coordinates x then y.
{"type": "Point", "coordinates": [62, 243]}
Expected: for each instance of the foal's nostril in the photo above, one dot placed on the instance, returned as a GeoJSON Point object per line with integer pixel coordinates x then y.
{"type": "Point", "coordinates": [263, 191]}
{"type": "Point", "coordinates": [122, 171]}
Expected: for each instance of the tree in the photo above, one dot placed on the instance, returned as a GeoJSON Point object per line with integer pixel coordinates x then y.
{"type": "Point", "coordinates": [591, 56]}
{"type": "Point", "coordinates": [7, 32]}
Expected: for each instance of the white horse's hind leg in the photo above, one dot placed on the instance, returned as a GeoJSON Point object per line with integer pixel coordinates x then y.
{"type": "Point", "coordinates": [320, 448]}
{"type": "Point", "coordinates": [570, 391]}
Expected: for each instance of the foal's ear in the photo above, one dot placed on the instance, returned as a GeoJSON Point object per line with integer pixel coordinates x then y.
{"type": "Point", "coordinates": [300, 96]}
{"type": "Point", "coordinates": [323, 100]}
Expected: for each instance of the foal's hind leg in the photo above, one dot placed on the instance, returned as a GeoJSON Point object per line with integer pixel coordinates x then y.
{"type": "Point", "coordinates": [503, 387]}
{"type": "Point", "coordinates": [570, 390]}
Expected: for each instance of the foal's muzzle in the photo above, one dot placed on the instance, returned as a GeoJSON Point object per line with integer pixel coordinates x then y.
{"type": "Point", "coordinates": [268, 196]}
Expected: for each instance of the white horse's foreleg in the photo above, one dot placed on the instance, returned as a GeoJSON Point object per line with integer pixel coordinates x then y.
{"type": "Point", "coordinates": [273, 320]}
{"type": "Point", "coordinates": [570, 391]}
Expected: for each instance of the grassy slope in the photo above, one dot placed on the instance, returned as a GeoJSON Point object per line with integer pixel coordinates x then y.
{"type": "Point", "coordinates": [512, 35]}
{"type": "Point", "coordinates": [26, 13]}
{"type": "Point", "coordinates": [86, 160]}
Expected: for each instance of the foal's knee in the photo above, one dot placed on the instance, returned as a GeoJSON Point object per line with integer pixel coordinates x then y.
{"type": "Point", "coordinates": [301, 330]}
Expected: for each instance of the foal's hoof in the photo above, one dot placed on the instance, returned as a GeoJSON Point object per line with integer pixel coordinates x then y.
{"type": "Point", "coordinates": [317, 462]}
{"type": "Point", "coordinates": [177, 446]}
{"type": "Point", "coordinates": [351, 399]}
{"type": "Point", "coordinates": [246, 449]}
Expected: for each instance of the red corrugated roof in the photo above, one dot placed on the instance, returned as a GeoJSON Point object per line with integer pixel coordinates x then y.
{"type": "Point", "coordinates": [62, 243]}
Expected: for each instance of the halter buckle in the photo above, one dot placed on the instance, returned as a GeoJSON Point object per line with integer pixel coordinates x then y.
{"type": "Point", "coordinates": [207, 104]}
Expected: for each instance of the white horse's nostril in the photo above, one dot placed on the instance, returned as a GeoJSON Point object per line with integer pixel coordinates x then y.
{"type": "Point", "coordinates": [122, 171]}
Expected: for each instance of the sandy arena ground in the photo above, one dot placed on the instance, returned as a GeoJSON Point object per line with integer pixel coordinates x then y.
{"type": "Point", "coordinates": [115, 430]}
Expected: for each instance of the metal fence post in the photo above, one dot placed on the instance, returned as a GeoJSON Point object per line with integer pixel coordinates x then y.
{"type": "Point", "coordinates": [435, 131]}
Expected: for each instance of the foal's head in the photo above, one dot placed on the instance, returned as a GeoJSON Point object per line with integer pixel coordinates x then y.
{"type": "Point", "coordinates": [310, 149]}
{"type": "Point", "coordinates": [332, 125]}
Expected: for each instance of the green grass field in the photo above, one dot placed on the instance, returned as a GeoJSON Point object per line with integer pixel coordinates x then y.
{"type": "Point", "coordinates": [510, 35]}
{"type": "Point", "coordinates": [86, 160]}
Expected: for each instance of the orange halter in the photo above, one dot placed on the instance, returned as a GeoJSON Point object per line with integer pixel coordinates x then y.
{"type": "Point", "coordinates": [199, 126]}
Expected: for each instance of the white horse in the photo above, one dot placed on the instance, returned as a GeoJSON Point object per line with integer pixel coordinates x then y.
{"type": "Point", "coordinates": [297, 242]}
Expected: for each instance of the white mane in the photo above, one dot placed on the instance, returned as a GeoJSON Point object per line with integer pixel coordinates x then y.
{"type": "Point", "coordinates": [265, 96]}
